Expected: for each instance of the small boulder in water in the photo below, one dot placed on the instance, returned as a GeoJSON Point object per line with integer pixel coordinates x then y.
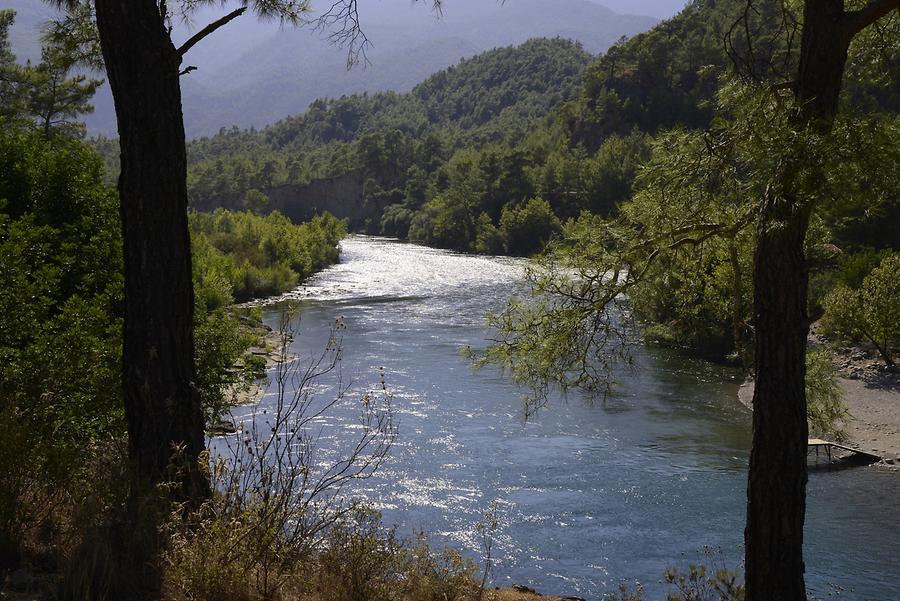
{"type": "Point", "coordinates": [221, 428]}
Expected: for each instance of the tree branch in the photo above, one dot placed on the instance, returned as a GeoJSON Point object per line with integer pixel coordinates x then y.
{"type": "Point", "coordinates": [858, 20]}
{"type": "Point", "coordinates": [209, 29]}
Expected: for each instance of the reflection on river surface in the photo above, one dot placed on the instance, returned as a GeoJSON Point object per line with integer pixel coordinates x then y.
{"type": "Point", "coordinates": [589, 495]}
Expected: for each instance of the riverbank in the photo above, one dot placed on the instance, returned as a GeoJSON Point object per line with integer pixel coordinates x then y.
{"type": "Point", "coordinates": [872, 396]}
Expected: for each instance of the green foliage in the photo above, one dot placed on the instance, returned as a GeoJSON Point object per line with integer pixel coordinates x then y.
{"type": "Point", "coordinates": [494, 97]}
{"type": "Point", "coordinates": [48, 94]}
{"type": "Point", "coordinates": [60, 315]}
{"type": "Point", "coordinates": [241, 256]}
{"type": "Point", "coordinates": [504, 127]}
{"type": "Point", "coordinates": [527, 229]}
{"type": "Point", "coordinates": [456, 133]}
{"type": "Point", "coordinates": [862, 193]}
{"type": "Point", "coordinates": [220, 350]}
{"type": "Point", "coordinates": [488, 239]}
{"type": "Point", "coordinates": [573, 180]}
{"type": "Point", "coordinates": [365, 561]}
{"type": "Point", "coordinates": [681, 249]}
{"type": "Point", "coordinates": [255, 201]}
{"type": "Point", "coordinates": [219, 556]}
{"type": "Point", "coordinates": [825, 409]}
{"type": "Point", "coordinates": [446, 222]}
{"type": "Point", "coordinates": [56, 97]}
{"type": "Point", "coordinates": [853, 268]}
{"type": "Point", "coordinates": [665, 77]}
{"type": "Point", "coordinates": [871, 312]}
{"type": "Point", "coordinates": [11, 100]}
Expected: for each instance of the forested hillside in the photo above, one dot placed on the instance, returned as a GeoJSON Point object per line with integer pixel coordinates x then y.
{"type": "Point", "coordinates": [399, 142]}
{"type": "Point", "coordinates": [496, 154]}
{"type": "Point", "coordinates": [723, 184]}
{"type": "Point", "coordinates": [499, 129]}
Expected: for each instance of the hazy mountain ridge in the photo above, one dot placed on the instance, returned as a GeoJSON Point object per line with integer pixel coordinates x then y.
{"type": "Point", "coordinates": [252, 74]}
{"type": "Point", "coordinates": [284, 74]}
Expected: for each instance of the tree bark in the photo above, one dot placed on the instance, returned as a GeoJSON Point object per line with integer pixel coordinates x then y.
{"type": "Point", "coordinates": [776, 490]}
{"type": "Point", "coordinates": [162, 405]}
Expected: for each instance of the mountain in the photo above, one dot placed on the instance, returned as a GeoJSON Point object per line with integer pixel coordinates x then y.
{"type": "Point", "coordinates": [251, 73]}
{"type": "Point", "coordinates": [355, 155]}
{"type": "Point", "coordinates": [284, 74]}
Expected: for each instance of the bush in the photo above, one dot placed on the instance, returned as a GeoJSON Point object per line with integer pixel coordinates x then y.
{"type": "Point", "coordinates": [489, 240]}
{"type": "Point", "coordinates": [60, 325]}
{"type": "Point", "coordinates": [854, 268]}
{"type": "Point", "coordinates": [699, 583]}
{"type": "Point", "coordinates": [825, 409]}
{"type": "Point", "coordinates": [870, 313]}
{"type": "Point", "coordinates": [527, 229]}
{"type": "Point", "coordinates": [242, 256]}
{"type": "Point", "coordinates": [445, 222]}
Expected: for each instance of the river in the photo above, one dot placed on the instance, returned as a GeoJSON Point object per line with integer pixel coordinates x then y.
{"type": "Point", "coordinates": [588, 495]}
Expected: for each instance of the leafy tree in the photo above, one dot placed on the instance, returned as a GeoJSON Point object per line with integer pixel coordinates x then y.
{"type": "Point", "coordinates": [47, 93]}
{"type": "Point", "coordinates": [488, 239]}
{"type": "Point", "coordinates": [403, 145]}
{"type": "Point", "coordinates": [144, 68]}
{"type": "Point", "coordinates": [446, 222]}
{"type": "Point", "coordinates": [790, 157]}
{"type": "Point", "coordinates": [255, 201]}
{"type": "Point", "coordinates": [162, 403]}
{"type": "Point", "coordinates": [241, 256]}
{"type": "Point", "coordinates": [871, 312]}
{"type": "Point", "coordinates": [10, 92]}
{"type": "Point", "coordinates": [527, 229]}
{"type": "Point", "coordinates": [826, 411]}
{"type": "Point", "coordinates": [54, 98]}
{"type": "Point", "coordinates": [776, 492]}
{"type": "Point", "coordinates": [60, 324]}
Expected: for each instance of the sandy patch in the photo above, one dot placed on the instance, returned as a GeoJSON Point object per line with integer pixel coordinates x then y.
{"type": "Point", "coordinates": [875, 409]}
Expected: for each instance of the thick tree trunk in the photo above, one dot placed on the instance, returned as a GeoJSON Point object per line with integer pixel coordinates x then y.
{"type": "Point", "coordinates": [165, 420]}
{"type": "Point", "coordinates": [776, 491]}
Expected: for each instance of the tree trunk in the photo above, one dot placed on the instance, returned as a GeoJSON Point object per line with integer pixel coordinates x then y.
{"type": "Point", "coordinates": [162, 405]}
{"type": "Point", "coordinates": [776, 490]}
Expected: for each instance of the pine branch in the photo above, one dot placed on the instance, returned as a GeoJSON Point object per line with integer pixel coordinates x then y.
{"type": "Point", "coordinates": [860, 19]}
{"type": "Point", "coordinates": [210, 29]}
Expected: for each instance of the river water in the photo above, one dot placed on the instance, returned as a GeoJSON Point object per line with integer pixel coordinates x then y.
{"type": "Point", "coordinates": [588, 495]}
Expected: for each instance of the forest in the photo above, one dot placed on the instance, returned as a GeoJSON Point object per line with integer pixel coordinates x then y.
{"type": "Point", "coordinates": [521, 145]}
{"type": "Point", "coordinates": [723, 184]}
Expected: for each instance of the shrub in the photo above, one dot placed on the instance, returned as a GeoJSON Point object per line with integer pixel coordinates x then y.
{"type": "Point", "coordinates": [527, 229]}
{"type": "Point", "coordinates": [60, 325]}
{"type": "Point", "coordinates": [870, 313]}
{"type": "Point", "coordinates": [825, 409]}
{"type": "Point", "coordinates": [699, 583]}
{"type": "Point", "coordinates": [242, 256]}
{"type": "Point", "coordinates": [488, 240]}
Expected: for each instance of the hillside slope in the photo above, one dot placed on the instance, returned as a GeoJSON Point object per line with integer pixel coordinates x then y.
{"type": "Point", "coordinates": [372, 146]}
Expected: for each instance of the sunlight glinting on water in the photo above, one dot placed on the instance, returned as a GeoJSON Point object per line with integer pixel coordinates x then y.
{"type": "Point", "coordinates": [587, 495]}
